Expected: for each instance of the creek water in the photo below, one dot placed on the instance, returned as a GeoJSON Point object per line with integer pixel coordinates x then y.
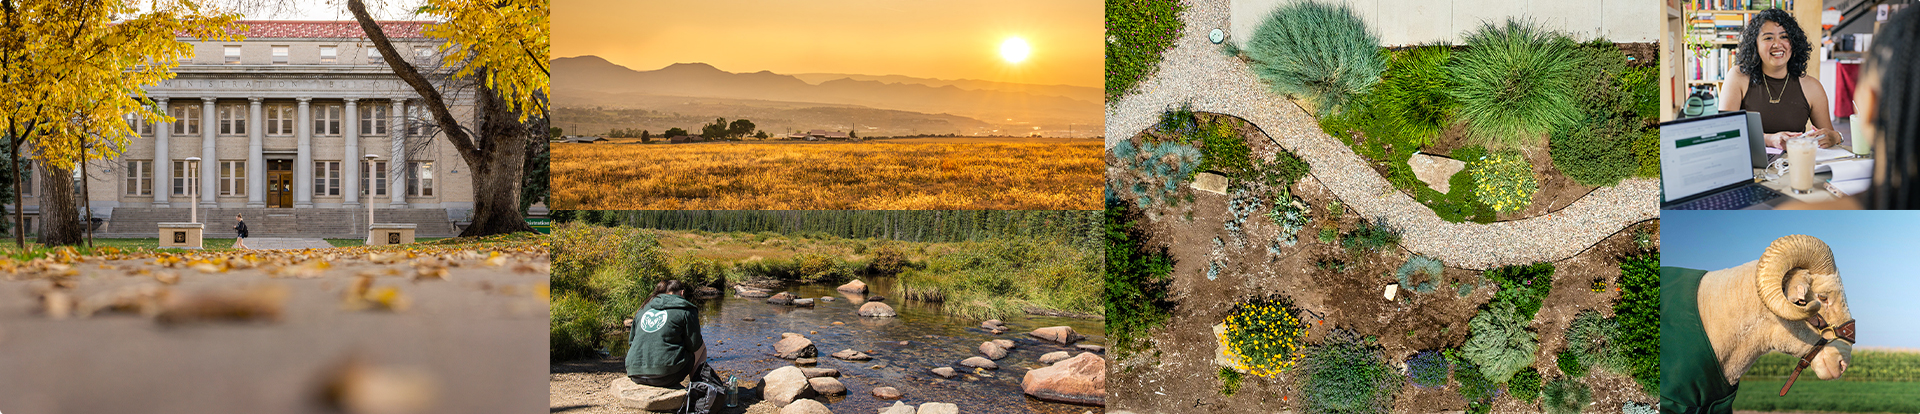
{"type": "Point", "coordinates": [737, 346]}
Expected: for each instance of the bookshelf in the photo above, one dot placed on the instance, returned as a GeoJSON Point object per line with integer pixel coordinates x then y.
{"type": "Point", "coordinates": [1709, 33]}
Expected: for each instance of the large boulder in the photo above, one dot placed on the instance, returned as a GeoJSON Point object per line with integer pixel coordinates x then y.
{"type": "Point", "coordinates": [856, 286]}
{"type": "Point", "coordinates": [898, 408]}
{"type": "Point", "coordinates": [751, 292]}
{"type": "Point", "coordinates": [1078, 380]}
{"type": "Point", "coordinates": [826, 385]}
{"type": "Point", "coordinates": [978, 362]}
{"type": "Point", "coordinates": [852, 355]}
{"type": "Point", "coordinates": [784, 298]}
{"type": "Point", "coordinates": [939, 408]}
{"type": "Point", "coordinates": [820, 372]}
{"type": "Point", "coordinates": [877, 310]}
{"type": "Point", "coordinates": [992, 350]}
{"type": "Point", "coordinates": [1052, 357]}
{"type": "Point", "coordinates": [1063, 335]}
{"type": "Point", "coordinates": [645, 397]}
{"type": "Point", "coordinates": [1435, 171]}
{"type": "Point", "coordinates": [784, 385]}
{"type": "Point", "coordinates": [794, 346]}
{"type": "Point", "coordinates": [1004, 343]}
{"type": "Point", "coordinates": [805, 407]}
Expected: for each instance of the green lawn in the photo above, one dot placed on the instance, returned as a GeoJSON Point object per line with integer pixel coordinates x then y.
{"type": "Point", "coordinates": [154, 243]}
{"type": "Point", "coordinates": [1812, 394]}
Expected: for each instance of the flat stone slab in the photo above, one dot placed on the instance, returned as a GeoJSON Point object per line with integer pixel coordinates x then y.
{"type": "Point", "coordinates": [1210, 182]}
{"type": "Point", "coordinates": [644, 397]}
{"type": "Point", "coordinates": [1436, 171]}
{"type": "Point", "coordinates": [274, 243]}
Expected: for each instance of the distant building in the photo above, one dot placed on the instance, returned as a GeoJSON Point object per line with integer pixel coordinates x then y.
{"type": "Point", "coordinates": [584, 139]}
{"type": "Point", "coordinates": [796, 136]}
{"type": "Point", "coordinates": [836, 135]}
{"type": "Point", "coordinates": [685, 139]}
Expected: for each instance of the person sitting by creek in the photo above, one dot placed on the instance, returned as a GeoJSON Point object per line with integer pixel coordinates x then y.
{"type": "Point", "coordinates": [666, 346]}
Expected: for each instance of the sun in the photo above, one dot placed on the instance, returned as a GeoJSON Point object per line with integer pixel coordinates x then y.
{"type": "Point", "coordinates": [1014, 50]}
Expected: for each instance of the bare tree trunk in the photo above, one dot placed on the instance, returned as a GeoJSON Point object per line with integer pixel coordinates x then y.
{"type": "Point", "coordinates": [58, 223]}
{"type": "Point", "coordinates": [86, 196]}
{"type": "Point", "coordinates": [19, 208]}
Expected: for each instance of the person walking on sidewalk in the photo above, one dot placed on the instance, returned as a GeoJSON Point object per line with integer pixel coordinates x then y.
{"type": "Point", "coordinates": [240, 226]}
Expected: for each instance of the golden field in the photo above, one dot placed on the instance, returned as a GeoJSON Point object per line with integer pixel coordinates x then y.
{"type": "Point", "coordinates": [1006, 174]}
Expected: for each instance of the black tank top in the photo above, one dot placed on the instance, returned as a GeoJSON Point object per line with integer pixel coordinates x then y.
{"type": "Point", "coordinates": [1791, 114]}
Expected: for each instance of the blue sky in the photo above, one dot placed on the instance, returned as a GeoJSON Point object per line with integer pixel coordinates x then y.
{"type": "Point", "coordinates": [1876, 251]}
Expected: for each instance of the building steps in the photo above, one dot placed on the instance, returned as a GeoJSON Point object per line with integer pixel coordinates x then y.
{"type": "Point", "coordinates": [333, 223]}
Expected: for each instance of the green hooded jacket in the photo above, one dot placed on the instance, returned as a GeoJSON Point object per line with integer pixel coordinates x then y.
{"type": "Point", "coordinates": [1691, 381]}
{"type": "Point", "coordinates": [665, 334]}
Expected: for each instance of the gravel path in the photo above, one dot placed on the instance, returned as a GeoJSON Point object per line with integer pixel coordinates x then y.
{"type": "Point", "coordinates": [1196, 71]}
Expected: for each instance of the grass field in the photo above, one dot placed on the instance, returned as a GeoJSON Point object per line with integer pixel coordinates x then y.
{"type": "Point", "coordinates": [1048, 174]}
{"type": "Point", "coordinates": [1877, 381]}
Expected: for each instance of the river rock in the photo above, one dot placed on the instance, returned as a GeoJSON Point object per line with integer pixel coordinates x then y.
{"type": "Point", "coordinates": [856, 286]}
{"type": "Point", "coordinates": [943, 372]}
{"type": "Point", "coordinates": [852, 355]}
{"type": "Point", "coordinates": [877, 310]}
{"type": "Point", "coordinates": [751, 292]}
{"type": "Point", "coordinates": [784, 298]}
{"type": "Point", "coordinates": [794, 346]}
{"type": "Point", "coordinates": [826, 298]}
{"type": "Point", "coordinates": [805, 362]}
{"type": "Point", "coordinates": [706, 292]}
{"type": "Point", "coordinates": [820, 372]}
{"type": "Point", "coordinates": [785, 384]}
{"type": "Point", "coordinates": [992, 351]}
{"type": "Point", "coordinates": [1052, 357]}
{"type": "Point", "coordinates": [1063, 335]}
{"type": "Point", "coordinates": [645, 397]}
{"type": "Point", "coordinates": [994, 325]}
{"type": "Point", "coordinates": [826, 385]}
{"type": "Point", "coordinates": [876, 298]}
{"type": "Point", "coordinates": [1004, 343]}
{"type": "Point", "coordinates": [888, 393]}
{"type": "Point", "coordinates": [1092, 348]}
{"type": "Point", "coordinates": [805, 407]}
{"type": "Point", "coordinates": [939, 408]}
{"type": "Point", "coordinates": [808, 303]}
{"type": "Point", "coordinates": [978, 362]}
{"type": "Point", "coordinates": [897, 408]}
{"type": "Point", "coordinates": [1078, 380]}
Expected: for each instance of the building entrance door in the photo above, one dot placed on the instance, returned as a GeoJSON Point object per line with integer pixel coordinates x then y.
{"type": "Point", "coordinates": [280, 183]}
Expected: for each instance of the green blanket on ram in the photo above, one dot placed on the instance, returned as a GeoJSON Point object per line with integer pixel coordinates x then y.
{"type": "Point", "coordinates": [1691, 380]}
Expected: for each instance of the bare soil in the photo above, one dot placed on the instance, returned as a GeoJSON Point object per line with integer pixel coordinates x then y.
{"type": "Point", "coordinates": [1179, 374]}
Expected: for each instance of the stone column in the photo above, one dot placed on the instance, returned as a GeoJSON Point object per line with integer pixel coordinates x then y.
{"type": "Point", "coordinates": [397, 164]}
{"type": "Point", "coordinates": [256, 156]}
{"type": "Point", "coordinates": [351, 161]}
{"type": "Point", "coordinates": [209, 159]}
{"type": "Point", "coordinates": [303, 158]}
{"type": "Point", "coordinates": [162, 164]}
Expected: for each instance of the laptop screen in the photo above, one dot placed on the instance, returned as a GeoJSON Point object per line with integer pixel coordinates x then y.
{"type": "Point", "coordinates": [1701, 154]}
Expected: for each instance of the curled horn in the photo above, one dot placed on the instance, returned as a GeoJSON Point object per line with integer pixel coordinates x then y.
{"type": "Point", "coordinates": [1783, 256]}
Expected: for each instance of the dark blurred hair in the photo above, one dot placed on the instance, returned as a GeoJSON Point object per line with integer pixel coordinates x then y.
{"type": "Point", "coordinates": [1897, 154]}
{"type": "Point", "coordinates": [665, 287]}
{"type": "Point", "coordinates": [1748, 57]}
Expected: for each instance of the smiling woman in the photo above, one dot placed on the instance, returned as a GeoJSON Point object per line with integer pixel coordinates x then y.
{"type": "Point", "coordinates": [1014, 50]}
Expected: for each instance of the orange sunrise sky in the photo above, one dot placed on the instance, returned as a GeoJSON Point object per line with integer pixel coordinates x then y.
{"type": "Point", "coordinates": [918, 38]}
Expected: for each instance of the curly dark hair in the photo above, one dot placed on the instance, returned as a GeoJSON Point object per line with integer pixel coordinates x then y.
{"type": "Point", "coordinates": [1898, 121]}
{"type": "Point", "coordinates": [1748, 57]}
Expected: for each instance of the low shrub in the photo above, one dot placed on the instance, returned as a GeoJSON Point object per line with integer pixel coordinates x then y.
{"type": "Point", "coordinates": [1412, 94]}
{"type": "Point", "coordinates": [1370, 236]}
{"type": "Point", "coordinates": [1639, 408]}
{"type": "Point", "coordinates": [1138, 31]}
{"type": "Point", "coordinates": [1322, 53]}
{"type": "Point", "coordinates": [1504, 181]}
{"type": "Point", "coordinates": [1514, 82]}
{"type": "Point", "coordinates": [1591, 341]}
{"type": "Point", "coordinates": [1523, 286]}
{"type": "Point", "coordinates": [1525, 385]}
{"type": "Point", "coordinates": [574, 327]}
{"type": "Point", "coordinates": [1646, 152]}
{"type": "Point", "coordinates": [1501, 345]}
{"type": "Point", "coordinates": [1241, 205]}
{"type": "Point", "coordinates": [997, 278]}
{"type": "Point", "coordinates": [1290, 215]}
{"type": "Point", "coordinates": [1421, 267]}
{"type": "Point", "coordinates": [1570, 364]}
{"type": "Point", "coordinates": [1642, 85]}
{"type": "Point", "coordinates": [888, 260]}
{"type": "Point", "coordinates": [1474, 385]}
{"type": "Point", "coordinates": [1281, 171]}
{"type": "Point", "coordinates": [1347, 374]}
{"type": "Point", "coordinates": [1265, 334]}
{"type": "Point", "coordinates": [1638, 311]}
{"type": "Point", "coordinates": [1596, 151]}
{"type": "Point", "coordinates": [1222, 149]}
{"type": "Point", "coordinates": [1137, 279]}
{"type": "Point", "coordinates": [1565, 396]}
{"type": "Point", "coordinates": [1229, 381]}
{"type": "Point", "coordinates": [1428, 369]}
{"type": "Point", "coordinates": [1151, 173]}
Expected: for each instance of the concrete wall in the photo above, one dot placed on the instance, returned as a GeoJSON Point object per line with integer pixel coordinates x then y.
{"type": "Point", "coordinates": [1403, 22]}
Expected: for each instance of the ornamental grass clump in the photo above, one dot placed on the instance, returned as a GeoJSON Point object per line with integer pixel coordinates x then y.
{"type": "Point", "coordinates": [1428, 369]}
{"type": "Point", "coordinates": [1370, 236]}
{"type": "Point", "coordinates": [1418, 268]}
{"type": "Point", "coordinates": [1504, 181]}
{"type": "Point", "coordinates": [1523, 286]}
{"type": "Point", "coordinates": [1474, 385]}
{"type": "Point", "coordinates": [1501, 345]}
{"type": "Point", "coordinates": [1525, 385]}
{"type": "Point", "coordinates": [1321, 53]}
{"type": "Point", "coordinates": [1153, 171]}
{"type": "Point", "coordinates": [1265, 335]}
{"type": "Point", "coordinates": [1515, 83]}
{"type": "Point", "coordinates": [1412, 95]}
{"type": "Point", "coordinates": [1591, 341]}
{"type": "Point", "coordinates": [1347, 374]}
{"type": "Point", "coordinates": [1565, 396]}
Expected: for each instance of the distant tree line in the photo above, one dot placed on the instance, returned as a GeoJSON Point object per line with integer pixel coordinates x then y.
{"type": "Point", "coordinates": [1079, 227]}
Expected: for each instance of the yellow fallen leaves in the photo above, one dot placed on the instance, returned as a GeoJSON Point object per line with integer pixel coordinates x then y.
{"type": "Point", "coordinates": [357, 386]}
{"type": "Point", "coordinates": [256, 303]}
{"type": "Point", "coordinates": [361, 295]}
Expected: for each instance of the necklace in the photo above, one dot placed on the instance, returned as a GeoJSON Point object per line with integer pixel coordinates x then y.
{"type": "Point", "coordinates": [1770, 97]}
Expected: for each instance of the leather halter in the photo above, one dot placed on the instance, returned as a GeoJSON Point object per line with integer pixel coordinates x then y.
{"type": "Point", "coordinates": [1844, 332]}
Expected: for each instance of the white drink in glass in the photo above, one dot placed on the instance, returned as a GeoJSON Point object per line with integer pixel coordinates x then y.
{"type": "Point", "coordinates": [1800, 163]}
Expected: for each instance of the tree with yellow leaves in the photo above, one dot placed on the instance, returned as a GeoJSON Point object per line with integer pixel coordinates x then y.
{"type": "Point", "coordinates": [72, 71]}
{"type": "Point", "coordinates": [502, 46]}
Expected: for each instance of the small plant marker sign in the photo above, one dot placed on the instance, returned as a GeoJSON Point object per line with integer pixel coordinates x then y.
{"type": "Point", "coordinates": [1217, 36]}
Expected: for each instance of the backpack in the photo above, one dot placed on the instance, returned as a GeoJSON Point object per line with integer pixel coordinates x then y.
{"type": "Point", "coordinates": [704, 388]}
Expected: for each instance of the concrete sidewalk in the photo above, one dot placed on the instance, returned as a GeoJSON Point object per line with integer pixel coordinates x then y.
{"type": "Point", "coordinates": [273, 243]}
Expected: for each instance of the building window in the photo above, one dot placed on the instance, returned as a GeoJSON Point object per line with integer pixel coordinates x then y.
{"type": "Point", "coordinates": [185, 180]}
{"type": "Point", "coordinates": [233, 119]}
{"type": "Point", "coordinates": [373, 55]}
{"type": "Point", "coordinates": [26, 180]}
{"type": "Point", "coordinates": [279, 54]}
{"type": "Point", "coordinates": [326, 120]}
{"type": "Point", "coordinates": [326, 178]}
{"type": "Point", "coordinates": [139, 177]}
{"type": "Point", "coordinates": [186, 119]}
{"type": "Point", "coordinates": [233, 178]}
{"type": "Point", "coordinates": [373, 177]}
{"type": "Point", "coordinates": [373, 119]}
{"type": "Point", "coordinates": [27, 222]}
{"type": "Point", "coordinates": [233, 54]}
{"type": "Point", "coordinates": [418, 123]}
{"type": "Point", "coordinates": [420, 179]}
{"type": "Point", "coordinates": [328, 54]}
{"type": "Point", "coordinates": [280, 119]}
{"type": "Point", "coordinates": [423, 52]}
{"type": "Point", "coordinates": [139, 124]}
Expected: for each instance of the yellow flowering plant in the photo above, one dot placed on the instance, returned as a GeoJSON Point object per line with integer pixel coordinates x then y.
{"type": "Point", "coordinates": [1265, 335]}
{"type": "Point", "coordinates": [1504, 180]}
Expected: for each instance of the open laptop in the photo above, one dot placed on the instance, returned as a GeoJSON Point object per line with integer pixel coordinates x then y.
{"type": "Point", "coordinates": [1757, 141]}
{"type": "Point", "coordinates": [1706, 164]}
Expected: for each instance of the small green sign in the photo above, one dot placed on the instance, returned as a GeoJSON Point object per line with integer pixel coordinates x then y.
{"type": "Point", "coordinates": [542, 225]}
